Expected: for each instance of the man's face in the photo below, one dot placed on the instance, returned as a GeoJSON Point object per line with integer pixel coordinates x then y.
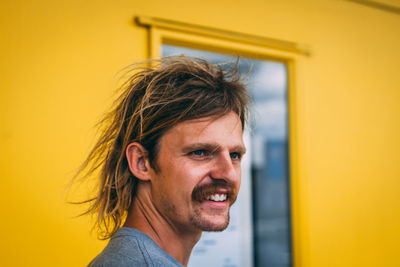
{"type": "Point", "coordinates": [199, 173]}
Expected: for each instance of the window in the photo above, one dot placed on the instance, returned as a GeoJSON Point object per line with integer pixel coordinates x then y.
{"type": "Point", "coordinates": [269, 172]}
{"type": "Point", "coordinates": [264, 221]}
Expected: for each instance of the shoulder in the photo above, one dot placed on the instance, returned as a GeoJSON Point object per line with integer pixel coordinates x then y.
{"type": "Point", "coordinates": [130, 247]}
{"type": "Point", "coordinates": [121, 250]}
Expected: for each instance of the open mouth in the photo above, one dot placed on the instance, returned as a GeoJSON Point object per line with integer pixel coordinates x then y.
{"type": "Point", "coordinates": [215, 192]}
{"type": "Point", "coordinates": [217, 197]}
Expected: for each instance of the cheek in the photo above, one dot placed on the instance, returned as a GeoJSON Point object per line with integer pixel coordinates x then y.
{"type": "Point", "coordinates": [191, 173]}
{"type": "Point", "coordinates": [189, 176]}
{"type": "Point", "coordinates": [180, 177]}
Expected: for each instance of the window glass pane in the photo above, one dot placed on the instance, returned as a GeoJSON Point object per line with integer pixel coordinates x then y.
{"type": "Point", "coordinates": [269, 194]}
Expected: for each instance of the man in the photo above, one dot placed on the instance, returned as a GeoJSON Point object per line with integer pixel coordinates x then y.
{"type": "Point", "coordinates": [169, 155]}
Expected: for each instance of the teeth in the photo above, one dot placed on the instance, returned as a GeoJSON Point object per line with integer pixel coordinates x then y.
{"type": "Point", "coordinates": [217, 197]}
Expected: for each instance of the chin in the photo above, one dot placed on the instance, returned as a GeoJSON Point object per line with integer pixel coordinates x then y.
{"type": "Point", "coordinates": [210, 223]}
{"type": "Point", "coordinates": [214, 228]}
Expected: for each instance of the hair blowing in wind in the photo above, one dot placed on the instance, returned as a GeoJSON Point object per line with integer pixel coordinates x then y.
{"type": "Point", "coordinates": [157, 95]}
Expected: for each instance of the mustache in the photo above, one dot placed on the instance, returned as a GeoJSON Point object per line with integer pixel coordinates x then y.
{"type": "Point", "coordinates": [201, 192]}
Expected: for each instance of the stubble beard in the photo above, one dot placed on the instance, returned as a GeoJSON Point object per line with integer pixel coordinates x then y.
{"type": "Point", "coordinates": [199, 221]}
{"type": "Point", "coordinates": [211, 221]}
{"type": "Point", "coordinates": [205, 220]}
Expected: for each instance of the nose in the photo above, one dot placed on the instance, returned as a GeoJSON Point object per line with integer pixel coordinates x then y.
{"type": "Point", "coordinates": [225, 169]}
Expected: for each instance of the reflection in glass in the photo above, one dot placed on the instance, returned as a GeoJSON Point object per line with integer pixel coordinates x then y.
{"type": "Point", "coordinates": [267, 84]}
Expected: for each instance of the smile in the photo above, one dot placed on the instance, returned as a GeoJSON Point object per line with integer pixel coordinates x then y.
{"type": "Point", "coordinates": [217, 197]}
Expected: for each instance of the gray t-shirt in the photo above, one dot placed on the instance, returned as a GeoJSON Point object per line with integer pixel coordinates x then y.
{"type": "Point", "coordinates": [130, 247]}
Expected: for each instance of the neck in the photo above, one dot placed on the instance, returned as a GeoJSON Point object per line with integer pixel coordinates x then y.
{"type": "Point", "coordinates": [175, 241]}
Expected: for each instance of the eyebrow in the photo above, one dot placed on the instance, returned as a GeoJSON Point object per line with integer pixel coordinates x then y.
{"type": "Point", "coordinates": [212, 147]}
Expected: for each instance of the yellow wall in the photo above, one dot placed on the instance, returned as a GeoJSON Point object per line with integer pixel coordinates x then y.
{"type": "Point", "coordinates": [58, 60]}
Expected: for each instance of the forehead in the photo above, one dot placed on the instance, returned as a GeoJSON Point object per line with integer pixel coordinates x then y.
{"type": "Point", "coordinates": [225, 131]}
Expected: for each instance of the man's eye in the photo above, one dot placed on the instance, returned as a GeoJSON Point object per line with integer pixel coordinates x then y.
{"type": "Point", "coordinates": [199, 153]}
{"type": "Point", "coordinates": [235, 155]}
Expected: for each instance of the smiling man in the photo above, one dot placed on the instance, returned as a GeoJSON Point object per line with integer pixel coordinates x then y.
{"type": "Point", "coordinates": [169, 155]}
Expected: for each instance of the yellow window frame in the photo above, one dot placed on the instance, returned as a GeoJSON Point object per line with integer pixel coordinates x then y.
{"type": "Point", "coordinates": [293, 55]}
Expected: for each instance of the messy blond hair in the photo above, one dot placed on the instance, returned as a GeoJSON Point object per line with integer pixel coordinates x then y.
{"type": "Point", "coordinates": [152, 100]}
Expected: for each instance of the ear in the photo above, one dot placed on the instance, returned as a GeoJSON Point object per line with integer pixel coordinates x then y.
{"type": "Point", "coordinates": [138, 161]}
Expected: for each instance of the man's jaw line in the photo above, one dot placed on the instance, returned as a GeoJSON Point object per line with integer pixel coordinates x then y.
{"type": "Point", "coordinates": [145, 217]}
{"type": "Point", "coordinates": [212, 204]}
